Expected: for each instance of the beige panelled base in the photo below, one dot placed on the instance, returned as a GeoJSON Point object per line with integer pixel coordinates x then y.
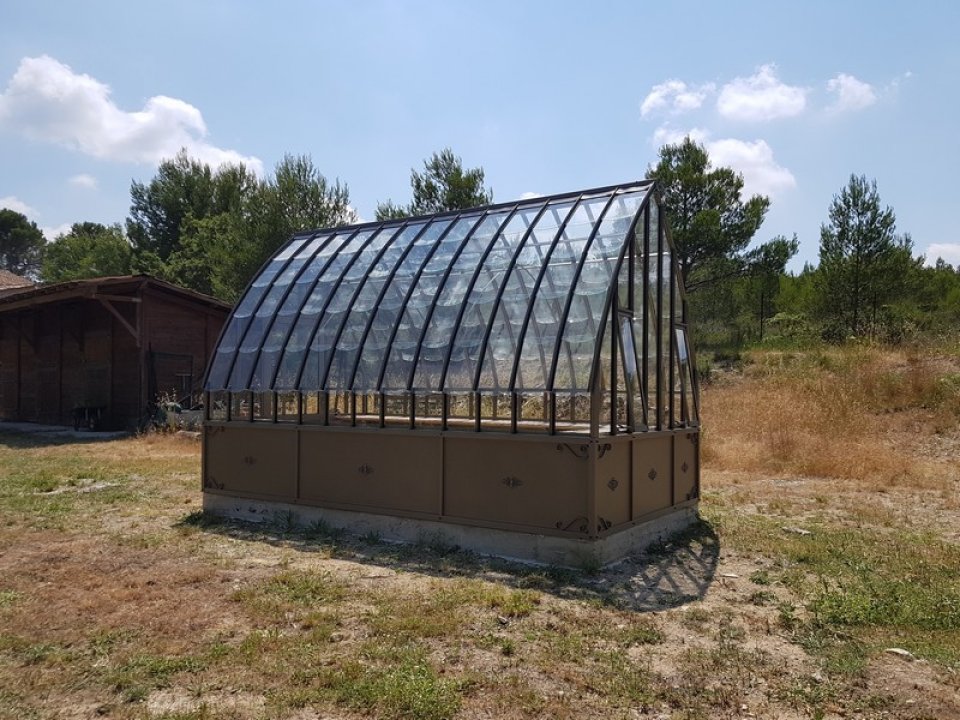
{"type": "Point", "coordinates": [507, 544]}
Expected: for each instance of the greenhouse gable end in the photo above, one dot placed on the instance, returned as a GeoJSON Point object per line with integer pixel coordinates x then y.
{"type": "Point", "coordinates": [515, 377]}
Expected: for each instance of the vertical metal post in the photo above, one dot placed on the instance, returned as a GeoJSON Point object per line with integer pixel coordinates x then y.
{"type": "Point", "coordinates": [614, 319]}
{"type": "Point", "coordinates": [660, 392]}
{"type": "Point", "coordinates": [645, 311]}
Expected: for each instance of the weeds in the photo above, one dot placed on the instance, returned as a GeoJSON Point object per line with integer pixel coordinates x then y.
{"type": "Point", "coordinates": [405, 686]}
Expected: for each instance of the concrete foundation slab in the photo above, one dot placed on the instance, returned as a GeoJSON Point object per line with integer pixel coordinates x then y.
{"type": "Point", "coordinates": [510, 545]}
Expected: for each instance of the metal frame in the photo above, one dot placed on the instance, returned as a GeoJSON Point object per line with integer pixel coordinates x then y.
{"type": "Point", "coordinates": [386, 286]}
{"type": "Point", "coordinates": [253, 312]}
{"type": "Point", "coordinates": [638, 259]}
{"type": "Point", "coordinates": [280, 303]}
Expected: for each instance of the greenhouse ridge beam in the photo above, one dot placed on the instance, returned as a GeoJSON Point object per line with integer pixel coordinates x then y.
{"type": "Point", "coordinates": [491, 209]}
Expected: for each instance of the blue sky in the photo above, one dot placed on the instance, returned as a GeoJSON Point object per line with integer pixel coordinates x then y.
{"type": "Point", "coordinates": [546, 96]}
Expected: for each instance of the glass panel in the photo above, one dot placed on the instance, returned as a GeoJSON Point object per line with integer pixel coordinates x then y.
{"type": "Point", "coordinates": [495, 411]}
{"type": "Point", "coordinates": [240, 406]}
{"type": "Point", "coordinates": [603, 382]}
{"type": "Point", "coordinates": [576, 346]}
{"type": "Point", "coordinates": [451, 299]}
{"type": "Point", "coordinates": [263, 318]}
{"type": "Point", "coordinates": [220, 368]}
{"type": "Point", "coordinates": [330, 316]}
{"type": "Point", "coordinates": [680, 389]}
{"type": "Point", "coordinates": [367, 293]}
{"type": "Point", "coordinates": [665, 340]}
{"type": "Point", "coordinates": [338, 408]}
{"type": "Point", "coordinates": [533, 412]}
{"type": "Point", "coordinates": [395, 298]}
{"type": "Point", "coordinates": [219, 402]}
{"type": "Point", "coordinates": [335, 258]}
{"type": "Point", "coordinates": [573, 412]}
{"type": "Point", "coordinates": [623, 283]}
{"type": "Point", "coordinates": [629, 369]}
{"type": "Point", "coordinates": [313, 407]}
{"type": "Point", "coordinates": [263, 405]}
{"type": "Point", "coordinates": [397, 408]}
{"type": "Point", "coordinates": [429, 411]}
{"type": "Point", "coordinates": [478, 304]}
{"type": "Point", "coordinates": [516, 299]}
{"type": "Point", "coordinates": [690, 390]}
{"type": "Point", "coordinates": [547, 312]}
{"type": "Point", "coordinates": [368, 409]}
{"type": "Point", "coordinates": [275, 338]}
{"type": "Point", "coordinates": [389, 267]}
{"type": "Point", "coordinates": [287, 406]}
{"type": "Point", "coordinates": [461, 411]}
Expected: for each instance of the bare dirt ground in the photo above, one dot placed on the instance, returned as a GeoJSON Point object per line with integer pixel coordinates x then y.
{"type": "Point", "coordinates": [118, 599]}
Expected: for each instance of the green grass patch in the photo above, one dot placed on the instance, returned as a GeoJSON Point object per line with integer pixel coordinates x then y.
{"type": "Point", "coordinates": [393, 684]}
{"type": "Point", "coordinates": [135, 678]}
{"type": "Point", "coordinates": [512, 603]}
{"type": "Point", "coordinates": [874, 585]}
{"type": "Point", "coordinates": [292, 593]}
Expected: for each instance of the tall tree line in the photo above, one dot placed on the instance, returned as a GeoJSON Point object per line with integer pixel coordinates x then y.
{"type": "Point", "coordinates": [210, 229]}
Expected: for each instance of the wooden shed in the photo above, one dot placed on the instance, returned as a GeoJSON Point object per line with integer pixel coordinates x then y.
{"type": "Point", "coordinates": [99, 351]}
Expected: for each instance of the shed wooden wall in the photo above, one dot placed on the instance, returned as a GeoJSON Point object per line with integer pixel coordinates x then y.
{"type": "Point", "coordinates": [61, 355]}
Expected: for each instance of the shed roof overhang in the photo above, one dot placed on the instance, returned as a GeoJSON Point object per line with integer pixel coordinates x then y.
{"type": "Point", "coordinates": [121, 288]}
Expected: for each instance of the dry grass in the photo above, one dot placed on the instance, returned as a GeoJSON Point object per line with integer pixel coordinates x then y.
{"type": "Point", "coordinates": [118, 599]}
{"type": "Point", "coordinates": [849, 414]}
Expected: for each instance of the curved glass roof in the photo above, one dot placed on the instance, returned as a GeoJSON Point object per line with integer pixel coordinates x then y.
{"type": "Point", "coordinates": [509, 297]}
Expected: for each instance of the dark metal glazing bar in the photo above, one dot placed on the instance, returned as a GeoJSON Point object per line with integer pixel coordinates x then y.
{"type": "Point", "coordinates": [645, 311]}
{"type": "Point", "coordinates": [614, 319]}
{"type": "Point", "coordinates": [660, 392]}
{"type": "Point", "coordinates": [672, 339]}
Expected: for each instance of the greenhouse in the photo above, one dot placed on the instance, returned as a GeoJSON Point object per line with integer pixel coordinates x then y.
{"type": "Point", "coordinates": [517, 378]}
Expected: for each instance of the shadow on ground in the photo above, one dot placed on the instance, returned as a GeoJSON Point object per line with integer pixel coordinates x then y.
{"type": "Point", "coordinates": [27, 435]}
{"type": "Point", "coordinates": [673, 573]}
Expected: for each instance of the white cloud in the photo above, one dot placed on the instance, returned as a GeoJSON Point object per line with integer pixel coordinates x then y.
{"type": "Point", "coordinates": [52, 232]}
{"type": "Point", "coordinates": [47, 101]}
{"type": "Point", "coordinates": [850, 93]}
{"type": "Point", "coordinates": [87, 182]}
{"type": "Point", "coordinates": [17, 205]}
{"type": "Point", "coordinates": [49, 232]}
{"type": "Point", "coordinates": [666, 135]}
{"type": "Point", "coordinates": [674, 97]}
{"type": "Point", "coordinates": [529, 195]}
{"type": "Point", "coordinates": [754, 160]}
{"type": "Point", "coordinates": [761, 172]}
{"type": "Point", "coordinates": [760, 97]}
{"type": "Point", "coordinates": [950, 252]}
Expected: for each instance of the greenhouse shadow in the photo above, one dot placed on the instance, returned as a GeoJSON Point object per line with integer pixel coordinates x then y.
{"type": "Point", "coordinates": [675, 572]}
